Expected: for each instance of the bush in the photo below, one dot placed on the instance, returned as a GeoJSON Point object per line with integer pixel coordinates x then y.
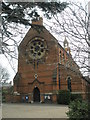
{"type": "Point", "coordinates": [63, 97]}
{"type": "Point", "coordinates": [78, 109]}
{"type": "Point", "coordinates": [75, 96]}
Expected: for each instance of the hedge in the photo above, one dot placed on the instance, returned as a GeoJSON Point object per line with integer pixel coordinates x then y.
{"type": "Point", "coordinates": [63, 97]}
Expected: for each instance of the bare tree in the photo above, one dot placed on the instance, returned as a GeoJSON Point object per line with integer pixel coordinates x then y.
{"type": "Point", "coordinates": [4, 75]}
{"type": "Point", "coordinates": [73, 23]}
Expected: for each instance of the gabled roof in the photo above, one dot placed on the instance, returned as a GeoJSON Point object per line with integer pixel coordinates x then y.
{"type": "Point", "coordinates": [37, 31]}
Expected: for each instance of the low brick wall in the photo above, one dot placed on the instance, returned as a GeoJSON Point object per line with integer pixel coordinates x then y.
{"type": "Point", "coordinates": [12, 98]}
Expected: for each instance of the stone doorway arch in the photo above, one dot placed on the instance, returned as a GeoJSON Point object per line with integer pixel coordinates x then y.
{"type": "Point", "coordinates": [36, 94]}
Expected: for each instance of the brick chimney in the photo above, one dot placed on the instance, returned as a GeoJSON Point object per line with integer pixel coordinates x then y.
{"type": "Point", "coordinates": [39, 21]}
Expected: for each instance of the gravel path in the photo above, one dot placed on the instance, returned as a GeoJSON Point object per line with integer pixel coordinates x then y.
{"type": "Point", "coordinates": [34, 111]}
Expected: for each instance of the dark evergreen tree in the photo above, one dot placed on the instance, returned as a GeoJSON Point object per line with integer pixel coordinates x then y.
{"type": "Point", "coordinates": [16, 11]}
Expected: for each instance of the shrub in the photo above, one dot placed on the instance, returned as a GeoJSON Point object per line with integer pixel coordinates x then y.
{"type": "Point", "coordinates": [75, 96]}
{"type": "Point", "coordinates": [78, 109]}
{"type": "Point", "coordinates": [63, 97]}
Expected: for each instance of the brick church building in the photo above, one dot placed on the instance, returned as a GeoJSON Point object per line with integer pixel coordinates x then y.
{"type": "Point", "coordinates": [44, 67]}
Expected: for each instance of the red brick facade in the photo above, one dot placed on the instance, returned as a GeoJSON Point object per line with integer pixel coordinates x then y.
{"type": "Point", "coordinates": [40, 79]}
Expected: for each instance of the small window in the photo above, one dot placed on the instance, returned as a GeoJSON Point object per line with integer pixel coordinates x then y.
{"type": "Point", "coordinates": [69, 83]}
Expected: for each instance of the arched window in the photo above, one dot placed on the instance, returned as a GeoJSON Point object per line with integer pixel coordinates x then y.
{"type": "Point", "coordinates": [69, 83]}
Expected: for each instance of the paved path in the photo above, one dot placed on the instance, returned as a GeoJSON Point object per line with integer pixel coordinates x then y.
{"type": "Point", "coordinates": [34, 111]}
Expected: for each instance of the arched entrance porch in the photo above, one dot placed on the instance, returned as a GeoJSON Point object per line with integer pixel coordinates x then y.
{"type": "Point", "coordinates": [36, 94]}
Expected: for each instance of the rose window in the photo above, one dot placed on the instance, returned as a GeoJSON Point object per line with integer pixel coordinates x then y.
{"type": "Point", "coordinates": [36, 48]}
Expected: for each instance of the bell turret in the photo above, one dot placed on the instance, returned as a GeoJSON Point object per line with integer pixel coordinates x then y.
{"type": "Point", "coordinates": [66, 46]}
